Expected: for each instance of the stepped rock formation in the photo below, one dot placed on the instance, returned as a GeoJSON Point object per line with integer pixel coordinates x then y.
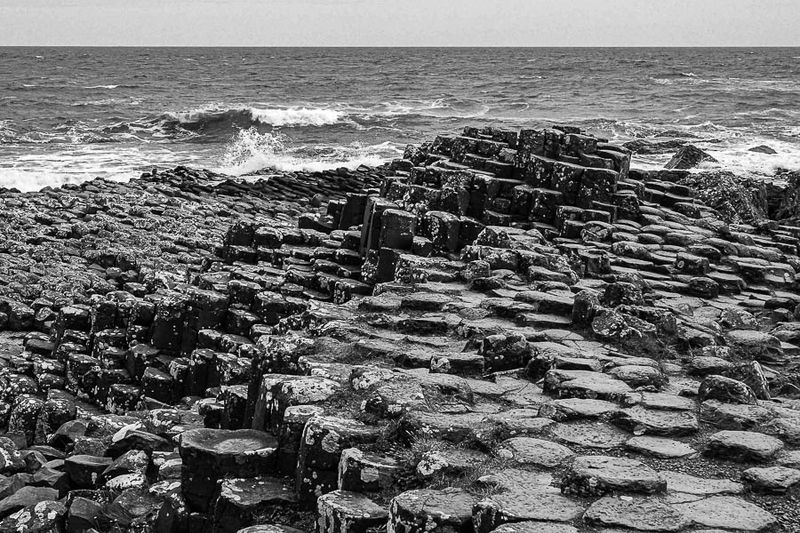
{"type": "Point", "coordinates": [502, 331]}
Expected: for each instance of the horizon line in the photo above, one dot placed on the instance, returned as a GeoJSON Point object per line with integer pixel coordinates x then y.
{"type": "Point", "coordinates": [383, 46]}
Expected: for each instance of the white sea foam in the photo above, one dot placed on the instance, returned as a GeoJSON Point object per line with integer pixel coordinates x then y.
{"type": "Point", "coordinates": [31, 171]}
{"type": "Point", "coordinates": [296, 116]}
{"type": "Point", "coordinates": [102, 87]}
{"type": "Point", "coordinates": [251, 151]}
{"type": "Point", "coordinates": [278, 116]}
{"type": "Point", "coordinates": [734, 155]}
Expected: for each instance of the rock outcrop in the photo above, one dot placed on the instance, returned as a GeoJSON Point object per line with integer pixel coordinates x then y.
{"type": "Point", "coordinates": [501, 331]}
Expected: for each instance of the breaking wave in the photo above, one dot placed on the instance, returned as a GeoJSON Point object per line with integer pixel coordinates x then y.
{"type": "Point", "coordinates": [251, 151]}
{"type": "Point", "coordinates": [243, 117]}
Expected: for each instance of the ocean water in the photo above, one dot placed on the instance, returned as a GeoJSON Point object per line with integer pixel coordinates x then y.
{"type": "Point", "coordinates": [70, 114]}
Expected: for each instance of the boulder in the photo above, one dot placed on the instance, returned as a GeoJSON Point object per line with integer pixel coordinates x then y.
{"type": "Point", "coordinates": [689, 156]}
{"type": "Point", "coordinates": [726, 390]}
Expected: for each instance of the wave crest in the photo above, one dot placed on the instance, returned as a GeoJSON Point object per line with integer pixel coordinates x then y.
{"type": "Point", "coordinates": [251, 151]}
{"type": "Point", "coordinates": [244, 117]}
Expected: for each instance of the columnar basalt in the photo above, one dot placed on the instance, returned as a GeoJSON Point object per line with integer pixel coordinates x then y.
{"type": "Point", "coordinates": [470, 337]}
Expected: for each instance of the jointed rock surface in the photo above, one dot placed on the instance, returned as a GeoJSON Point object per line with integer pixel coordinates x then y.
{"type": "Point", "coordinates": [502, 331]}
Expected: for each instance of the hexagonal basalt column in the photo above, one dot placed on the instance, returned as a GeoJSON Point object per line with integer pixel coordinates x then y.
{"type": "Point", "coordinates": [324, 439]}
{"type": "Point", "coordinates": [211, 454]}
{"type": "Point", "coordinates": [431, 511]}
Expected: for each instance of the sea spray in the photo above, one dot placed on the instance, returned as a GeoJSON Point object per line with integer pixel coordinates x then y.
{"type": "Point", "coordinates": [251, 151]}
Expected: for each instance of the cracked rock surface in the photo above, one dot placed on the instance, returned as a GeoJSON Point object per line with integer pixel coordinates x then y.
{"type": "Point", "coordinates": [506, 331]}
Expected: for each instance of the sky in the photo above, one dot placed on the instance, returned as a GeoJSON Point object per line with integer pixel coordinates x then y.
{"type": "Point", "coordinates": [399, 22]}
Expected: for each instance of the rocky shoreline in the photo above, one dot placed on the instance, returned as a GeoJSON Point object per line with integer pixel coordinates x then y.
{"type": "Point", "coordinates": [502, 331]}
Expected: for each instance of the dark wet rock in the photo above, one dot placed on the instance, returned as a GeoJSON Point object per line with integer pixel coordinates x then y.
{"type": "Point", "coordinates": [85, 470]}
{"type": "Point", "coordinates": [26, 497]}
{"type": "Point", "coordinates": [242, 502]}
{"type": "Point", "coordinates": [762, 149]}
{"type": "Point", "coordinates": [83, 514]}
{"type": "Point", "coordinates": [689, 156]}
{"type": "Point", "coordinates": [648, 146]}
{"type": "Point", "coordinates": [209, 455]}
{"type": "Point", "coordinates": [44, 516]}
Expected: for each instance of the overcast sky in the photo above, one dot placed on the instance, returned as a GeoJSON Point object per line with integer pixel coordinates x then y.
{"type": "Point", "coordinates": [401, 22]}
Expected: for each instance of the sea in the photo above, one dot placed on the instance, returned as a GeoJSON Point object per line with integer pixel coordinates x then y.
{"type": "Point", "coordinates": [71, 114]}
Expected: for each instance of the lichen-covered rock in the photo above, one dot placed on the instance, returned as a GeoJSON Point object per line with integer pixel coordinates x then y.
{"type": "Point", "coordinates": [41, 517]}
{"type": "Point", "coordinates": [348, 512]}
{"type": "Point", "coordinates": [211, 454]}
{"type": "Point", "coordinates": [323, 440]}
{"type": "Point", "coordinates": [241, 502]}
{"type": "Point", "coordinates": [366, 472]}
{"type": "Point", "coordinates": [431, 511]}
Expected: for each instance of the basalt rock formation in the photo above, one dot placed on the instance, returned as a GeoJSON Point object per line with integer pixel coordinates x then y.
{"type": "Point", "coordinates": [502, 331]}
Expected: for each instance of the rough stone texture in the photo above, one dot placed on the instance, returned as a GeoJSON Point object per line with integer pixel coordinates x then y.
{"type": "Point", "coordinates": [425, 510]}
{"type": "Point", "coordinates": [777, 479]}
{"type": "Point", "coordinates": [641, 514]}
{"type": "Point", "coordinates": [530, 451]}
{"type": "Point", "coordinates": [743, 446]}
{"type": "Point", "coordinates": [209, 455]}
{"type": "Point", "coordinates": [727, 512]}
{"type": "Point", "coordinates": [598, 474]}
{"type": "Point", "coordinates": [348, 511]}
{"type": "Point", "coordinates": [660, 447]}
{"type": "Point", "coordinates": [384, 329]}
{"type": "Point", "coordinates": [523, 503]}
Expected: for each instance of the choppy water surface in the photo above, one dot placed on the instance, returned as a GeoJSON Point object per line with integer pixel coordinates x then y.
{"type": "Point", "coordinates": [69, 114]}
